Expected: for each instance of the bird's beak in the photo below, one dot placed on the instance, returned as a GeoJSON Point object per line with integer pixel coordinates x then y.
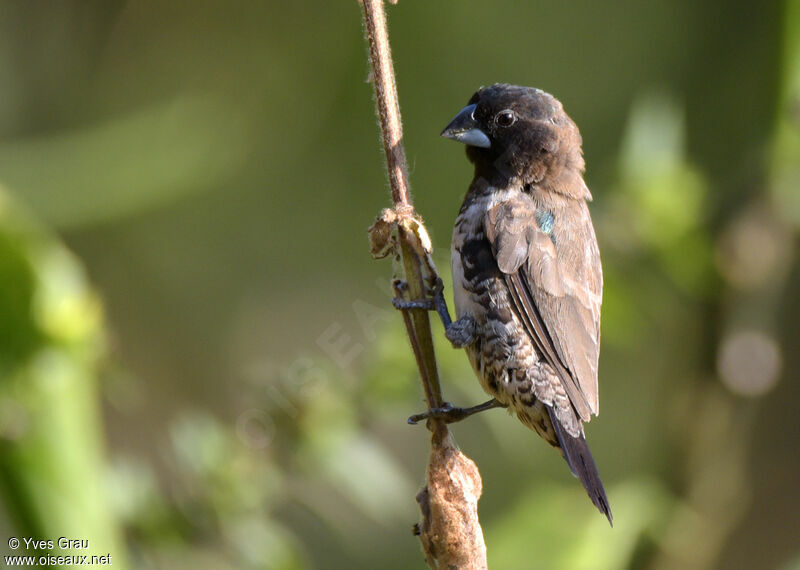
{"type": "Point", "coordinates": [464, 128]}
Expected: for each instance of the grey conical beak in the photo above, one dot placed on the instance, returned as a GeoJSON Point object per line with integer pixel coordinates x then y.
{"type": "Point", "coordinates": [464, 128]}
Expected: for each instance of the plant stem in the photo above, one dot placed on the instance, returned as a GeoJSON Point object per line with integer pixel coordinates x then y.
{"type": "Point", "coordinates": [450, 531]}
{"type": "Point", "coordinates": [380, 54]}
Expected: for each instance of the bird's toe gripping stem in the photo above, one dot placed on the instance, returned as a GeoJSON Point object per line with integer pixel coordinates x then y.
{"type": "Point", "coordinates": [435, 302]}
{"type": "Point", "coordinates": [460, 333]}
{"type": "Point", "coordinates": [450, 414]}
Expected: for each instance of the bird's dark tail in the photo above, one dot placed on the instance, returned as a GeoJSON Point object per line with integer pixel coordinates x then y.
{"type": "Point", "coordinates": [580, 461]}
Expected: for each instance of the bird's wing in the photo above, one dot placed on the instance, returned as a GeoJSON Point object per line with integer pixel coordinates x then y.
{"type": "Point", "coordinates": [556, 291]}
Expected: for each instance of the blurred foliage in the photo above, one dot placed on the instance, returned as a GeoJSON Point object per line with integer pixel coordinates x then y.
{"type": "Point", "coordinates": [51, 450]}
{"type": "Point", "coordinates": [211, 168]}
{"type": "Point", "coordinates": [150, 158]}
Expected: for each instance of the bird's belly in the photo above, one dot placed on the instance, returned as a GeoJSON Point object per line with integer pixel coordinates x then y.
{"type": "Point", "coordinates": [503, 356]}
{"type": "Point", "coordinates": [503, 376]}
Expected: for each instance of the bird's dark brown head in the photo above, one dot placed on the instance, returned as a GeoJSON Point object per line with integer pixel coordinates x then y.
{"type": "Point", "coordinates": [521, 134]}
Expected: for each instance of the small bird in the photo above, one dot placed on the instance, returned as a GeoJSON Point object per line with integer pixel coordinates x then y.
{"type": "Point", "coordinates": [526, 269]}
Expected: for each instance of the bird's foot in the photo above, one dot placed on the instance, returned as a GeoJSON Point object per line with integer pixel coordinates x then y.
{"type": "Point", "coordinates": [428, 303]}
{"type": "Point", "coordinates": [450, 414]}
{"type": "Point", "coordinates": [462, 332]}
{"type": "Point", "coordinates": [404, 305]}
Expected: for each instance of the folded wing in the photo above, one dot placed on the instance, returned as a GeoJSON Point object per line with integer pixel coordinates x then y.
{"type": "Point", "coordinates": [557, 290]}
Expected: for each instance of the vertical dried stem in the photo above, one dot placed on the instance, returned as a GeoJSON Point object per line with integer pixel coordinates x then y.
{"type": "Point", "coordinates": [380, 55]}
{"type": "Point", "coordinates": [450, 532]}
{"type": "Point", "coordinates": [409, 228]}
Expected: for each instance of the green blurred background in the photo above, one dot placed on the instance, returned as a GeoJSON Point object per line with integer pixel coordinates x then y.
{"type": "Point", "coordinates": [199, 366]}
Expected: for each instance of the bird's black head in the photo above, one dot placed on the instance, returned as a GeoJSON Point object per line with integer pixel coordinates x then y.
{"type": "Point", "coordinates": [523, 134]}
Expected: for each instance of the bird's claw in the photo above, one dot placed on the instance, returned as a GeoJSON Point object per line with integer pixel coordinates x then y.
{"type": "Point", "coordinates": [450, 414]}
{"type": "Point", "coordinates": [442, 413]}
{"type": "Point", "coordinates": [429, 304]}
{"type": "Point", "coordinates": [404, 305]}
{"type": "Point", "coordinates": [461, 333]}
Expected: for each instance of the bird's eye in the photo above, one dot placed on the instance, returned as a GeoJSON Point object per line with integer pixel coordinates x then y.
{"type": "Point", "coordinates": [505, 118]}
